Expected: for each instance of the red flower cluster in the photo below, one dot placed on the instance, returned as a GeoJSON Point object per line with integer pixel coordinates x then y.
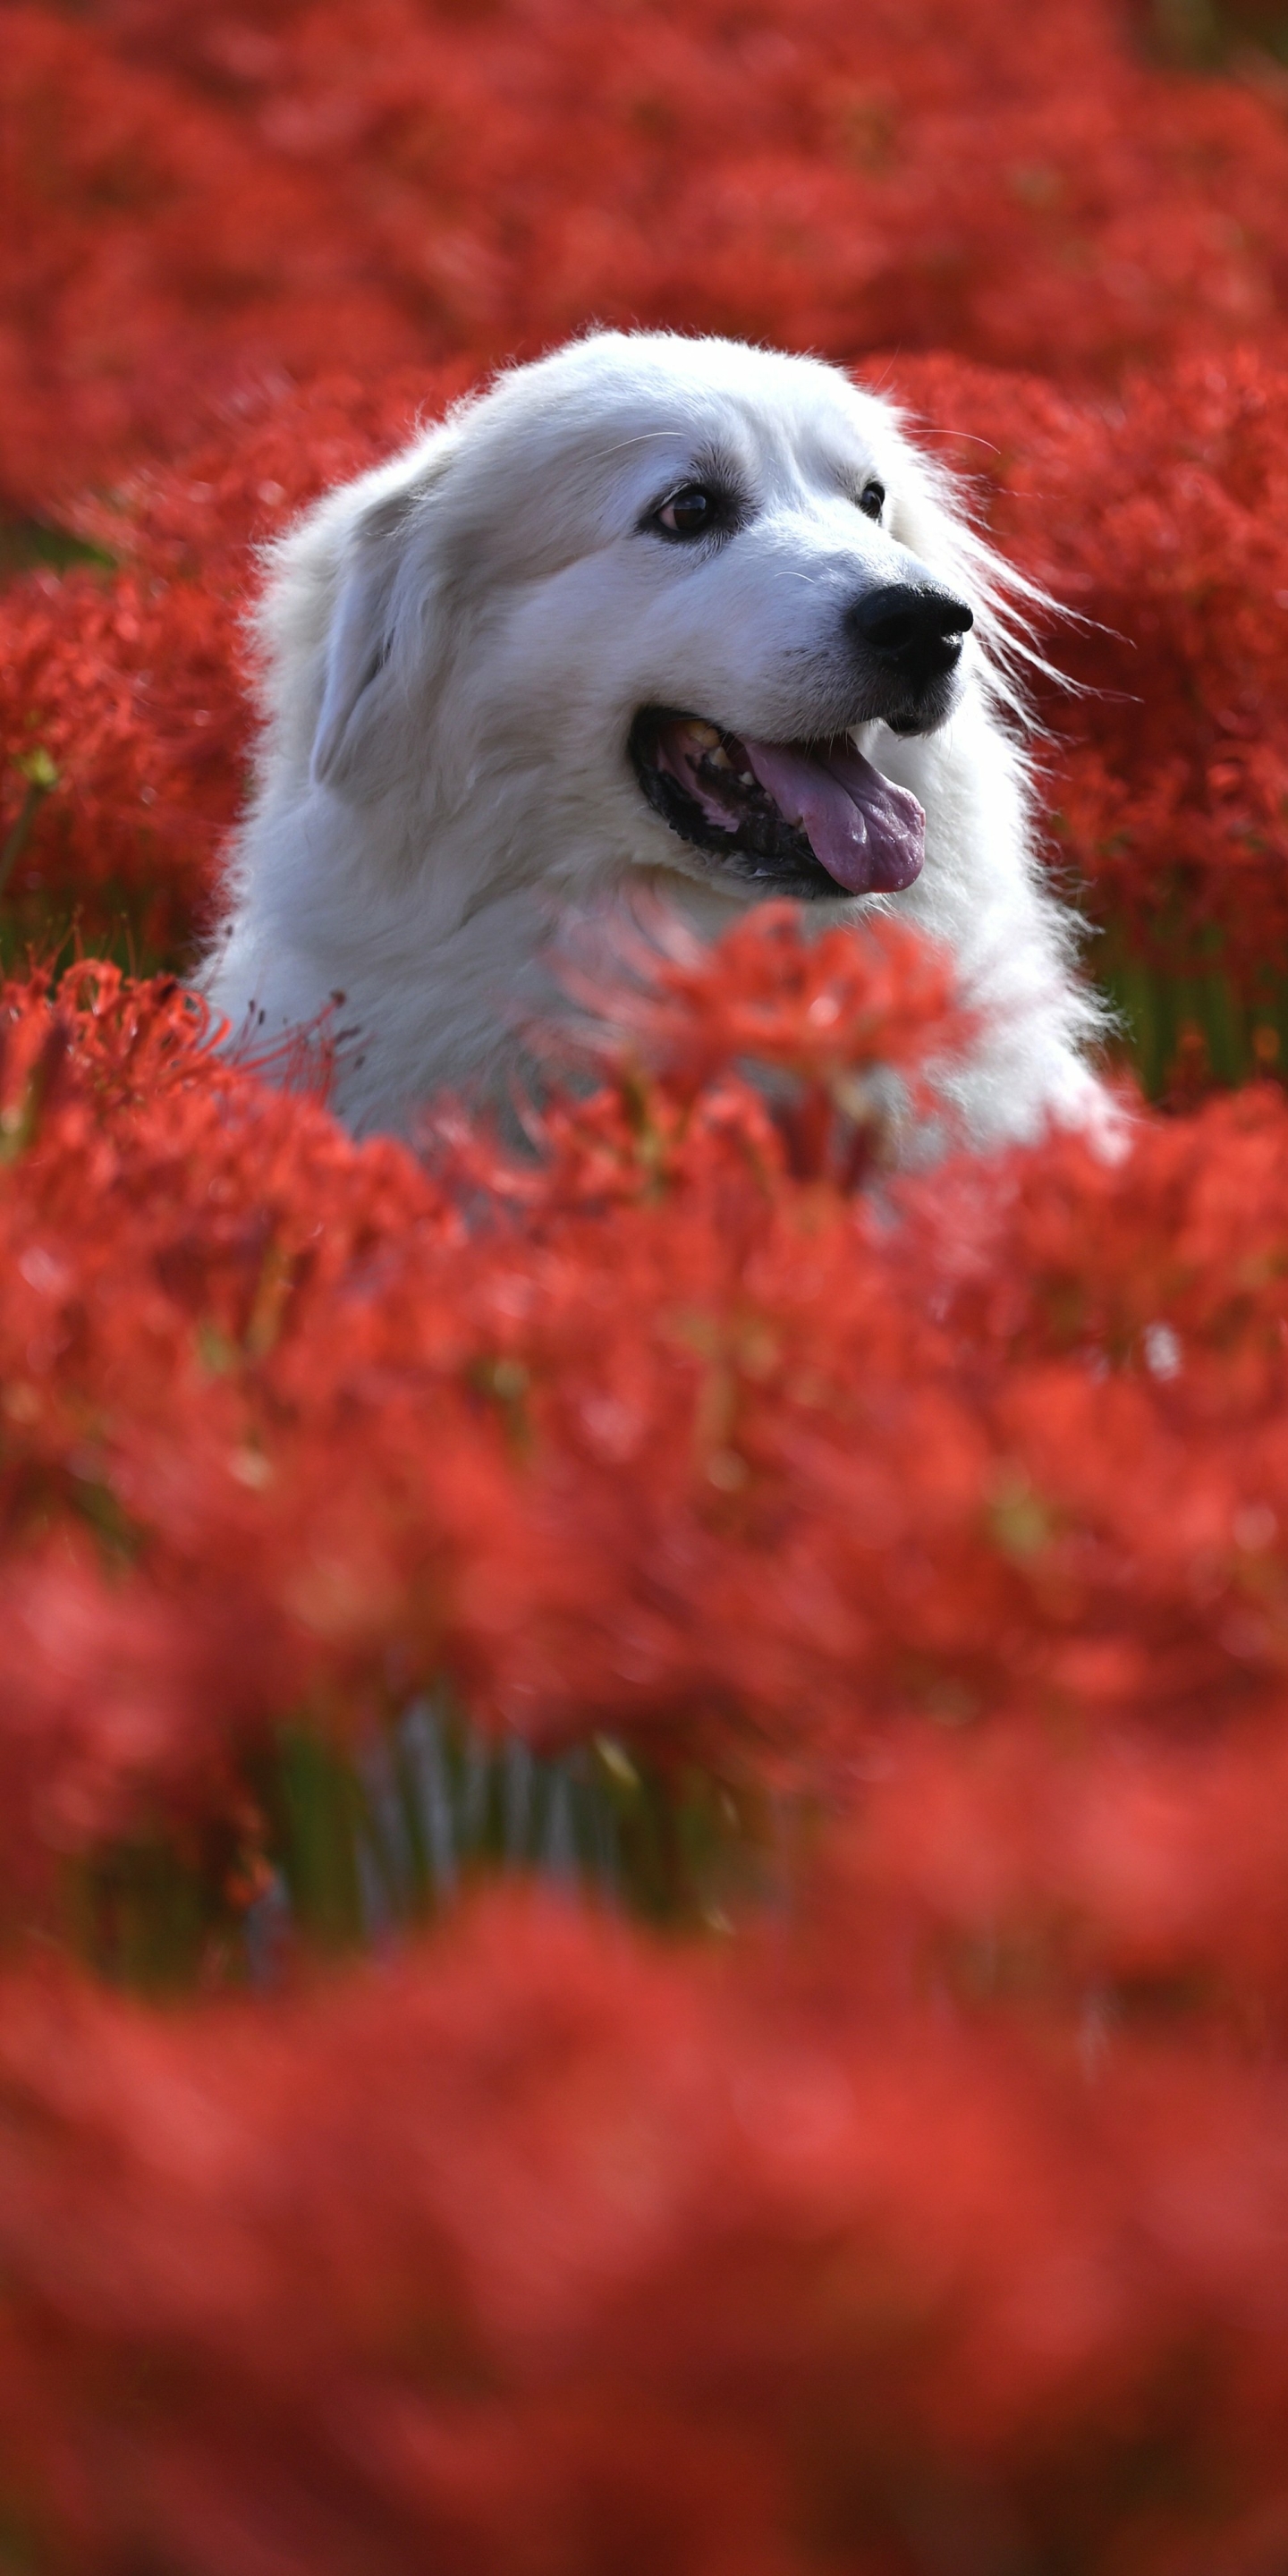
{"type": "Point", "coordinates": [954, 2204]}
{"type": "Point", "coordinates": [740, 1468]}
{"type": "Point", "coordinates": [1158, 518]}
{"type": "Point", "coordinates": [547, 2250]}
{"type": "Point", "coordinates": [197, 200]}
{"type": "Point", "coordinates": [937, 1527]}
{"type": "Point", "coordinates": [256, 1296]}
{"type": "Point", "coordinates": [132, 690]}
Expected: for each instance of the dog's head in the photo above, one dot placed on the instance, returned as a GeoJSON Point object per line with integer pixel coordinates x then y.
{"type": "Point", "coordinates": [651, 602]}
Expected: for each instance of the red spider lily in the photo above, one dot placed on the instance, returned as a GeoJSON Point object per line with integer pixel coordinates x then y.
{"type": "Point", "coordinates": [820, 1010]}
{"type": "Point", "coordinates": [748, 1470]}
{"type": "Point", "coordinates": [951, 2203]}
{"type": "Point", "coordinates": [1158, 518]}
{"type": "Point", "coordinates": [546, 2249]}
{"type": "Point", "coordinates": [196, 206]}
{"type": "Point", "coordinates": [936, 2220]}
{"type": "Point", "coordinates": [133, 685]}
{"type": "Point", "coordinates": [129, 693]}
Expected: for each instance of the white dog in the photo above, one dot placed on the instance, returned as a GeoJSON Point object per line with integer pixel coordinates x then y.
{"type": "Point", "coordinates": [652, 612]}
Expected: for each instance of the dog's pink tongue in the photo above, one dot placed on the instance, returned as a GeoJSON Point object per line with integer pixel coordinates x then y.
{"type": "Point", "coordinates": [868, 834]}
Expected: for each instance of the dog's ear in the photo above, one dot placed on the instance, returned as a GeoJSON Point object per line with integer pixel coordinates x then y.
{"type": "Point", "coordinates": [379, 645]}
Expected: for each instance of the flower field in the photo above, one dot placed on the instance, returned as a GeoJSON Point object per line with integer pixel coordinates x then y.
{"type": "Point", "coordinates": [643, 1789]}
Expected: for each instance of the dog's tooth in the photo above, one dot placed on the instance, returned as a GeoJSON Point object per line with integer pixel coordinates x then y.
{"type": "Point", "coordinates": [719, 758]}
{"type": "Point", "coordinates": [746, 778]}
{"type": "Point", "coordinates": [706, 734]}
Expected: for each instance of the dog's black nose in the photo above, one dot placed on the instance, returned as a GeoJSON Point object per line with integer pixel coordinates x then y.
{"type": "Point", "coordinates": [913, 628]}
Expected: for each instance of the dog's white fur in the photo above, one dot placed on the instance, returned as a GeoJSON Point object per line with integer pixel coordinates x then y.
{"type": "Point", "coordinates": [455, 646]}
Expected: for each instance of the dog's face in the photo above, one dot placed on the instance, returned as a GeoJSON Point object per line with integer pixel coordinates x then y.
{"type": "Point", "coordinates": [635, 606]}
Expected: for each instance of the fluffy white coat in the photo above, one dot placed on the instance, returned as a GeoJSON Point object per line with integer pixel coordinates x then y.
{"type": "Point", "coordinates": [455, 647]}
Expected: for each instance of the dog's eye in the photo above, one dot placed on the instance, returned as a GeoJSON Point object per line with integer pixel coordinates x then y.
{"type": "Point", "coordinates": [694, 512]}
{"type": "Point", "coordinates": [872, 500]}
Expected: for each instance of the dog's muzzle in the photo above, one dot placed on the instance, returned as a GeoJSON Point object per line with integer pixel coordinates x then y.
{"type": "Point", "coordinates": [806, 819]}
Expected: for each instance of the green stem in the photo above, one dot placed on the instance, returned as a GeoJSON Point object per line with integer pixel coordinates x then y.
{"type": "Point", "coordinates": [42, 777]}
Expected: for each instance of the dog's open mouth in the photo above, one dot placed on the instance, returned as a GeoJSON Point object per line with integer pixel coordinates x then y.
{"type": "Point", "coordinates": [805, 818]}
